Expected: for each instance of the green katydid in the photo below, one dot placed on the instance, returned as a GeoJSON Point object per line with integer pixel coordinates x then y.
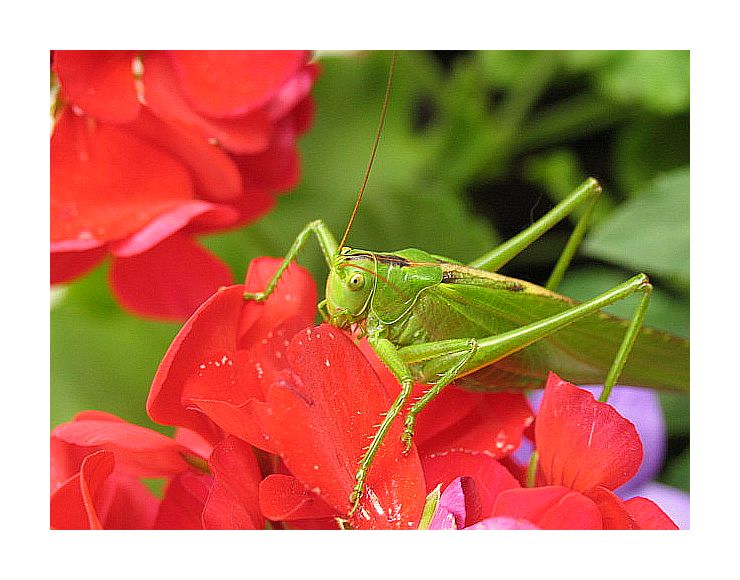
{"type": "Point", "coordinates": [434, 320]}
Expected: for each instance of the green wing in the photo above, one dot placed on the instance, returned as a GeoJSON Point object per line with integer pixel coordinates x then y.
{"type": "Point", "coordinates": [473, 303]}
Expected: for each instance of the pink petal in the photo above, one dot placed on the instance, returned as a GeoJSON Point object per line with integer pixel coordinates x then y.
{"type": "Point", "coordinates": [503, 523]}
{"type": "Point", "coordinates": [490, 477]}
{"type": "Point", "coordinates": [171, 222]}
{"type": "Point", "coordinates": [458, 506]}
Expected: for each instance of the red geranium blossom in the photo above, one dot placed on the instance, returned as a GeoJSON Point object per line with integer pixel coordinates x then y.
{"type": "Point", "coordinates": [151, 148]}
{"type": "Point", "coordinates": [586, 450]}
{"type": "Point", "coordinates": [99, 460]}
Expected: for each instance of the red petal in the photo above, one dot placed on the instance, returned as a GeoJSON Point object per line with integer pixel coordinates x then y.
{"type": "Point", "coordinates": [193, 441]}
{"type": "Point", "coordinates": [183, 502]}
{"type": "Point", "coordinates": [228, 388]}
{"type": "Point", "coordinates": [137, 450]}
{"type": "Point", "coordinates": [170, 280]}
{"type": "Point", "coordinates": [493, 425]}
{"type": "Point", "coordinates": [247, 421]}
{"type": "Point", "coordinates": [249, 133]}
{"type": "Point", "coordinates": [551, 507]}
{"type": "Point", "coordinates": [490, 477]}
{"type": "Point", "coordinates": [292, 306]}
{"type": "Point", "coordinates": [323, 416]}
{"type": "Point", "coordinates": [66, 266]}
{"type": "Point", "coordinates": [285, 498]}
{"type": "Point", "coordinates": [233, 501]}
{"type": "Point", "coordinates": [225, 83]}
{"type": "Point", "coordinates": [107, 183]}
{"type": "Point", "coordinates": [244, 331]}
{"type": "Point", "coordinates": [211, 329]}
{"type": "Point", "coordinates": [275, 169]}
{"type": "Point", "coordinates": [100, 82]}
{"type": "Point", "coordinates": [584, 443]}
{"type": "Point", "coordinates": [127, 504]}
{"type": "Point", "coordinates": [614, 513]}
{"type": "Point", "coordinates": [648, 515]}
{"type": "Point", "coordinates": [73, 504]}
{"type": "Point", "coordinates": [214, 171]}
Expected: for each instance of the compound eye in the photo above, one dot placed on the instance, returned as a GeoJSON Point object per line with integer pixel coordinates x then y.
{"type": "Point", "coordinates": [356, 282]}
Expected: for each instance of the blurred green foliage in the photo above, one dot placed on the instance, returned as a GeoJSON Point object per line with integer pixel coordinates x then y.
{"type": "Point", "coordinates": [476, 146]}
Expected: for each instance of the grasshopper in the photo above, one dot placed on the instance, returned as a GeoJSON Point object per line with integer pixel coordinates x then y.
{"type": "Point", "coordinates": [434, 320]}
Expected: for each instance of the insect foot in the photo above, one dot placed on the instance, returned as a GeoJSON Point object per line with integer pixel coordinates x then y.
{"type": "Point", "coordinates": [256, 296]}
{"type": "Point", "coordinates": [408, 433]}
{"type": "Point", "coordinates": [356, 495]}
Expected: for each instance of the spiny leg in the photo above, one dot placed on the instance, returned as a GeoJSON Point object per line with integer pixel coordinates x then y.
{"type": "Point", "coordinates": [585, 194]}
{"type": "Point", "coordinates": [444, 380]}
{"type": "Point", "coordinates": [327, 243]}
{"type": "Point", "coordinates": [388, 353]}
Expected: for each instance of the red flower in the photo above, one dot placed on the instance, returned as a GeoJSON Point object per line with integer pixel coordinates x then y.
{"type": "Point", "coordinates": [98, 461]}
{"type": "Point", "coordinates": [198, 142]}
{"type": "Point", "coordinates": [586, 450]}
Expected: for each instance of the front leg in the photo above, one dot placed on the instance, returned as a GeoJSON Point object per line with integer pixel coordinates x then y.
{"type": "Point", "coordinates": [328, 246]}
{"type": "Point", "coordinates": [388, 353]}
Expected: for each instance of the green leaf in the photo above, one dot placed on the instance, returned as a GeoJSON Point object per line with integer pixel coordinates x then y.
{"type": "Point", "coordinates": [676, 413]}
{"type": "Point", "coordinates": [101, 357]}
{"type": "Point", "coordinates": [502, 68]}
{"type": "Point", "coordinates": [678, 471]}
{"type": "Point", "coordinates": [556, 171]}
{"type": "Point", "coordinates": [650, 232]}
{"type": "Point", "coordinates": [657, 80]}
{"type": "Point", "coordinates": [648, 146]}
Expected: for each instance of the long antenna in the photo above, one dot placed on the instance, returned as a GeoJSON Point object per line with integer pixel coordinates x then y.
{"type": "Point", "coordinates": [375, 148]}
